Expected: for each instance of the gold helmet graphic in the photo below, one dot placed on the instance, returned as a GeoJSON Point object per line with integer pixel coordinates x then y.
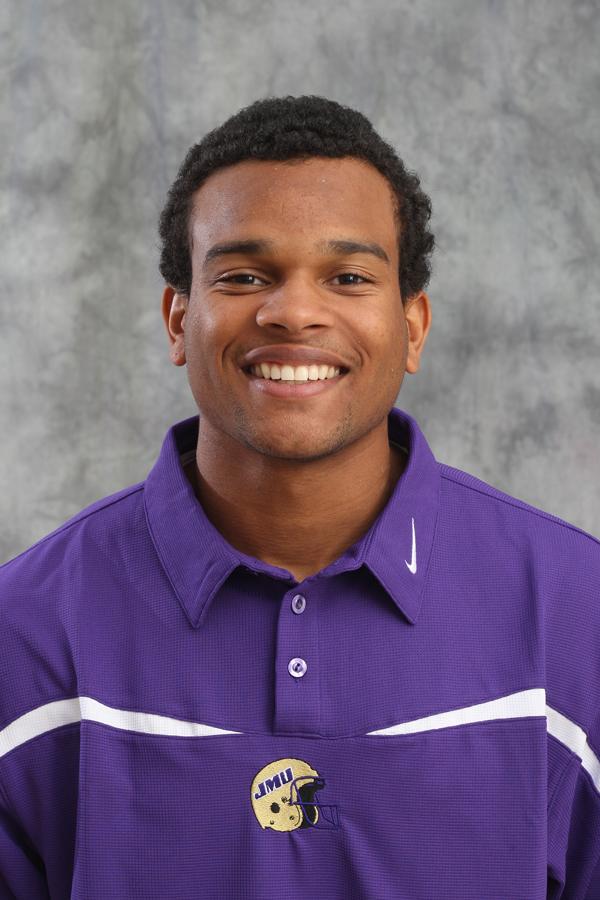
{"type": "Point", "coordinates": [284, 797]}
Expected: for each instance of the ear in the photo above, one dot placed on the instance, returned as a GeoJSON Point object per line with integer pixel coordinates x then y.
{"type": "Point", "coordinates": [174, 308]}
{"type": "Point", "coordinates": [418, 321]}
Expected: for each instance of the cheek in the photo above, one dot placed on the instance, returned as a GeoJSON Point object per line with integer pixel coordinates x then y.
{"type": "Point", "coordinates": [212, 335]}
{"type": "Point", "coordinates": [392, 361]}
{"type": "Point", "coordinates": [388, 344]}
{"type": "Point", "coordinates": [203, 333]}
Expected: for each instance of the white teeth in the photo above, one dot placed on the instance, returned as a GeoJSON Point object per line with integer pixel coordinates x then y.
{"type": "Point", "coordinates": [297, 373]}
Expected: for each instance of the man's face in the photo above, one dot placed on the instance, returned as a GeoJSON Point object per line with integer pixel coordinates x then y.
{"type": "Point", "coordinates": [295, 293]}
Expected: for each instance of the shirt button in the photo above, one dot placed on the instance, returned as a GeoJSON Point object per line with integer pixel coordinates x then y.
{"type": "Point", "coordinates": [297, 667]}
{"type": "Point", "coordinates": [298, 603]}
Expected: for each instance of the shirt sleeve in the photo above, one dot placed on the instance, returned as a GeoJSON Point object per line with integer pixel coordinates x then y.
{"type": "Point", "coordinates": [574, 835]}
{"type": "Point", "coordinates": [22, 872]}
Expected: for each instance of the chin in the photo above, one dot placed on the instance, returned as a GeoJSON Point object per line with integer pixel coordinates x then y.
{"type": "Point", "coordinates": [301, 449]}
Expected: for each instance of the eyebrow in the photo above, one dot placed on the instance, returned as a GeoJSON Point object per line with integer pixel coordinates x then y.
{"type": "Point", "coordinates": [339, 246]}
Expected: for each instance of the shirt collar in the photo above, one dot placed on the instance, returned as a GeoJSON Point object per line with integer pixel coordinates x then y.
{"type": "Point", "coordinates": [197, 559]}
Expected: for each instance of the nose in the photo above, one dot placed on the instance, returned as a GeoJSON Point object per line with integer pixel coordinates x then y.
{"type": "Point", "coordinates": [296, 304]}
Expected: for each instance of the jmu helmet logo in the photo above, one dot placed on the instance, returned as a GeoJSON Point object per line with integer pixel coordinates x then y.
{"type": "Point", "coordinates": [284, 797]}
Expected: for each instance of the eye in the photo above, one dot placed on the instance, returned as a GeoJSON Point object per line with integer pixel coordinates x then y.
{"type": "Point", "coordinates": [233, 278]}
{"type": "Point", "coordinates": [241, 275]}
{"type": "Point", "coordinates": [352, 275]}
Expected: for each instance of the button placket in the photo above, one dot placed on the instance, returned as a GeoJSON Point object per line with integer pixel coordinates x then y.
{"type": "Point", "coordinates": [297, 699]}
{"type": "Point", "coordinates": [297, 666]}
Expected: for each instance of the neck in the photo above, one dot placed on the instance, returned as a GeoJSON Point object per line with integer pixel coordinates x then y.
{"type": "Point", "coordinates": [298, 516]}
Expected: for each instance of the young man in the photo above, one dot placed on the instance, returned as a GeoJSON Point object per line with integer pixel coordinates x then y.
{"type": "Point", "coordinates": [302, 658]}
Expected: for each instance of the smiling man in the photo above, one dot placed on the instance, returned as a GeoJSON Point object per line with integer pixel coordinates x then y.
{"type": "Point", "coordinates": [301, 658]}
{"type": "Point", "coordinates": [296, 342]}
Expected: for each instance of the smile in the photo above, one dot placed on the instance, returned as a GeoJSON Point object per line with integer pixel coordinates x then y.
{"type": "Point", "coordinates": [289, 388]}
{"type": "Point", "coordinates": [294, 373]}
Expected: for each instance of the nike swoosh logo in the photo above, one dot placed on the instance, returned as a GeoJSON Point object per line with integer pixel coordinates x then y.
{"type": "Point", "coordinates": [412, 565]}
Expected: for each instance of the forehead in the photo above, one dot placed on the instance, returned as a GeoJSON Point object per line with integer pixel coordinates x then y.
{"type": "Point", "coordinates": [309, 199]}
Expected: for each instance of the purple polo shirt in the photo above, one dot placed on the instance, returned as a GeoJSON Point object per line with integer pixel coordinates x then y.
{"type": "Point", "coordinates": [420, 720]}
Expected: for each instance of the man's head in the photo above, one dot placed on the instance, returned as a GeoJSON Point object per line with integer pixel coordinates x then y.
{"type": "Point", "coordinates": [292, 183]}
{"type": "Point", "coordinates": [290, 128]}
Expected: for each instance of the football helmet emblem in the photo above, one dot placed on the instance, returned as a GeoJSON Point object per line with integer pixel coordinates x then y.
{"type": "Point", "coordinates": [284, 797]}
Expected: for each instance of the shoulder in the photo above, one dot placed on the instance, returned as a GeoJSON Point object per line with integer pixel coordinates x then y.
{"type": "Point", "coordinates": [556, 567]}
{"type": "Point", "coordinates": [79, 540]}
{"type": "Point", "coordinates": [47, 597]}
{"type": "Point", "coordinates": [563, 545]}
{"type": "Point", "coordinates": [555, 564]}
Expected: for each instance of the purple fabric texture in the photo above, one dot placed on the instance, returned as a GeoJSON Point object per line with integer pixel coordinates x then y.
{"type": "Point", "coordinates": [419, 720]}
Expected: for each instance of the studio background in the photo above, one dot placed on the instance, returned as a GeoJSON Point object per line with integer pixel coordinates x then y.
{"type": "Point", "coordinates": [495, 105]}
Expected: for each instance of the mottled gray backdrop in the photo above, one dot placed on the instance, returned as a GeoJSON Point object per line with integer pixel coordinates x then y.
{"type": "Point", "coordinates": [496, 106]}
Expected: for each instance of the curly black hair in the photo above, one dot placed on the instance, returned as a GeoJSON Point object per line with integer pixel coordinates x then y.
{"type": "Point", "coordinates": [286, 128]}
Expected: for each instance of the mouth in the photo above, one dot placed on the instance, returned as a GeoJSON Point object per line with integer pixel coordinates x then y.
{"type": "Point", "coordinates": [293, 389]}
